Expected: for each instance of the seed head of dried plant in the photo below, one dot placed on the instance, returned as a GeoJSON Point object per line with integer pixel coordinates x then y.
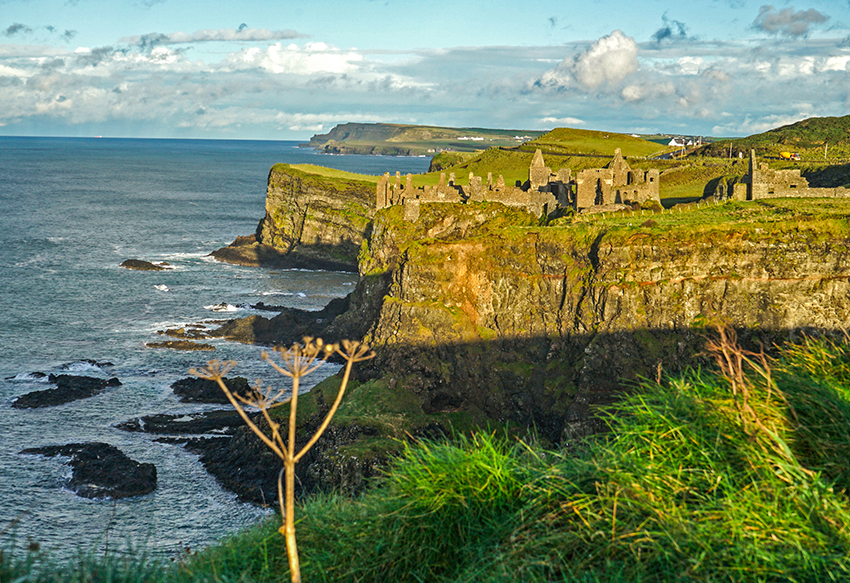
{"type": "Point", "coordinates": [296, 362]}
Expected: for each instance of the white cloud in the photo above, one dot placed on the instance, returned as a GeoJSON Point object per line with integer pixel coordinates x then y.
{"type": "Point", "coordinates": [642, 91]}
{"type": "Point", "coordinates": [562, 121]}
{"type": "Point", "coordinates": [836, 63]}
{"type": "Point", "coordinates": [609, 61]}
{"type": "Point", "coordinates": [295, 60]}
{"type": "Point", "coordinates": [690, 65]}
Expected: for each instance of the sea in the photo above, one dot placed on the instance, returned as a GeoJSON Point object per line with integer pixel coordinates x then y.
{"type": "Point", "coordinates": [71, 210]}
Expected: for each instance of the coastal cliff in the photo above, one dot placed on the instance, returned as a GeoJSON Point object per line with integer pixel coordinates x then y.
{"type": "Point", "coordinates": [387, 139]}
{"type": "Point", "coordinates": [476, 308]}
{"type": "Point", "coordinates": [538, 326]}
{"type": "Point", "coordinates": [311, 221]}
{"type": "Point", "coordinates": [482, 317]}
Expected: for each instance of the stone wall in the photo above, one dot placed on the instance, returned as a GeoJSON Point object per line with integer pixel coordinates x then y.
{"type": "Point", "coordinates": [763, 182]}
{"type": "Point", "coordinates": [617, 183]}
{"type": "Point", "coordinates": [544, 192]}
{"type": "Point", "coordinates": [536, 196]}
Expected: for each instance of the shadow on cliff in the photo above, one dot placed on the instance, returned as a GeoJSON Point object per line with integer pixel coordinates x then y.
{"type": "Point", "coordinates": [553, 384]}
{"type": "Point", "coordinates": [552, 387]}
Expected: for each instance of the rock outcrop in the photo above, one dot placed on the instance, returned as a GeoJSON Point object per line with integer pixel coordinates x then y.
{"type": "Point", "coordinates": [191, 423]}
{"type": "Point", "coordinates": [142, 265]}
{"type": "Point", "coordinates": [539, 326]}
{"type": "Point", "coordinates": [101, 470]}
{"type": "Point", "coordinates": [68, 388]}
{"type": "Point", "coordinates": [197, 390]}
{"type": "Point", "coordinates": [316, 218]}
{"type": "Point", "coordinates": [474, 307]}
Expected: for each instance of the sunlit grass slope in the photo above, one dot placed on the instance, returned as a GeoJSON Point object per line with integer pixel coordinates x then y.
{"type": "Point", "coordinates": [595, 143]}
{"type": "Point", "coordinates": [694, 483]}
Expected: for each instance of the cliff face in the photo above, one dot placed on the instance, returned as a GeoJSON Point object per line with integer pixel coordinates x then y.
{"type": "Point", "coordinates": [479, 316]}
{"type": "Point", "coordinates": [316, 217]}
{"type": "Point", "coordinates": [537, 325]}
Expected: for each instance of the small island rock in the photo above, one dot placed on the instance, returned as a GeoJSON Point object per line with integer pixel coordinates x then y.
{"type": "Point", "coordinates": [68, 388]}
{"type": "Point", "coordinates": [141, 265]}
{"type": "Point", "coordinates": [101, 470]}
{"type": "Point", "coordinates": [195, 390]}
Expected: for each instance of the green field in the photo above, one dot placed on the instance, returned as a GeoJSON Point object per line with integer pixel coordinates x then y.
{"type": "Point", "coordinates": [595, 143]}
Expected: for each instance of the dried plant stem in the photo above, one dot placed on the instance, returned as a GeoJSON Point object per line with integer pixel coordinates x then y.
{"type": "Point", "coordinates": [298, 361]}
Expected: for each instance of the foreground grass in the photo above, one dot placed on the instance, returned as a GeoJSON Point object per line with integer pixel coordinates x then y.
{"type": "Point", "coordinates": [701, 479]}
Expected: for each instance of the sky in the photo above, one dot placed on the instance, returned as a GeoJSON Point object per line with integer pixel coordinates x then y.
{"type": "Point", "coordinates": [282, 70]}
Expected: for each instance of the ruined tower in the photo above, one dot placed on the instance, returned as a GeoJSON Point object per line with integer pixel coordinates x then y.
{"type": "Point", "coordinates": [538, 172]}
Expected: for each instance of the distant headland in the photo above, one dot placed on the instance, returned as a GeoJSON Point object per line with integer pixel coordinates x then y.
{"type": "Point", "coordinates": [389, 139]}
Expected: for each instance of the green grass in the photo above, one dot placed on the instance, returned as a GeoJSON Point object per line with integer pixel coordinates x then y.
{"type": "Point", "coordinates": [333, 173]}
{"type": "Point", "coordinates": [807, 137]}
{"type": "Point", "coordinates": [575, 141]}
{"type": "Point", "coordinates": [688, 486]}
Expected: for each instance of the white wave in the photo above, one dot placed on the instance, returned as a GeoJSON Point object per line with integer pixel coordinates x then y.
{"type": "Point", "coordinates": [223, 307]}
{"type": "Point", "coordinates": [34, 260]}
{"type": "Point", "coordinates": [276, 293]}
{"type": "Point", "coordinates": [302, 295]}
{"type": "Point", "coordinates": [29, 376]}
{"type": "Point", "coordinates": [83, 366]}
{"type": "Point", "coordinates": [184, 255]}
{"type": "Point", "coordinates": [162, 287]}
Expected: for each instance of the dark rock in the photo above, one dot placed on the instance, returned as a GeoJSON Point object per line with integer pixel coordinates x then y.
{"type": "Point", "coordinates": [247, 251]}
{"type": "Point", "coordinates": [68, 388]}
{"type": "Point", "coordinates": [244, 465]}
{"type": "Point", "coordinates": [288, 327]}
{"type": "Point", "coordinates": [192, 423]}
{"type": "Point", "coordinates": [195, 390]}
{"type": "Point", "coordinates": [101, 470]}
{"type": "Point", "coordinates": [141, 265]}
{"type": "Point", "coordinates": [263, 306]}
{"type": "Point", "coordinates": [193, 332]}
{"type": "Point", "coordinates": [92, 362]}
{"type": "Point", "coordinates": [180, 345]}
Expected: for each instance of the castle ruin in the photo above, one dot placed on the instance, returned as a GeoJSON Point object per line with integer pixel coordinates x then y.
{"type": "Point", "coordinates": [544, 192]}
{"type": "Point", "coordinates": [762, 182]}
{"type": "Point", "coordinates": [617, 183]}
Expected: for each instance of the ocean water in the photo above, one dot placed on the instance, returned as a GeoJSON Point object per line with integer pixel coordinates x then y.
{"type": "Point", "coordinates": [71, 210]}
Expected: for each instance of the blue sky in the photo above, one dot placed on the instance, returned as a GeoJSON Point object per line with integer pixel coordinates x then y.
{"type": "Point", "coordinates": [287, 70]}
